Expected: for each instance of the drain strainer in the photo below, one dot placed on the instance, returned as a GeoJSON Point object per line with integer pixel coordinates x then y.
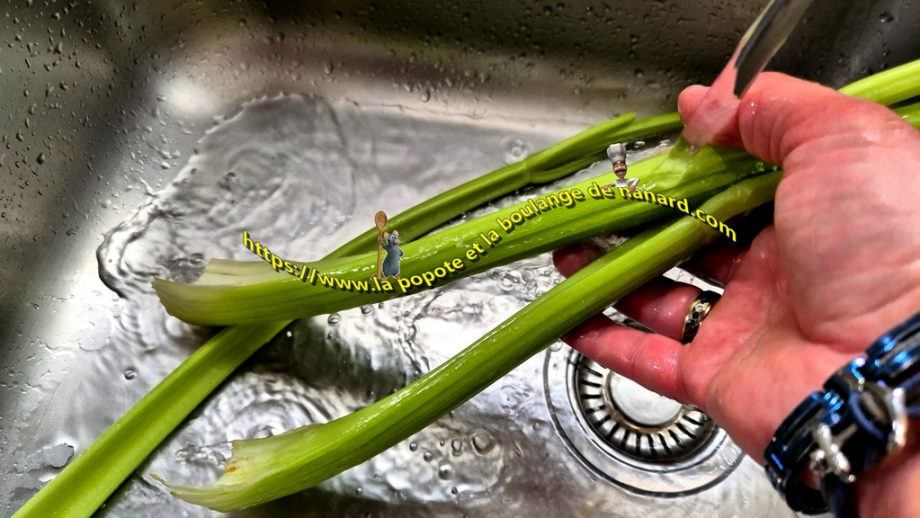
{"type": "Point", "coordinates": [632, 436]}
{"type": "Point", "coordinates": [634, 420]}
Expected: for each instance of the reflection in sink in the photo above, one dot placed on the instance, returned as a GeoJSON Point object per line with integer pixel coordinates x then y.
{"type": "Point", "coordinates": [297, 123]}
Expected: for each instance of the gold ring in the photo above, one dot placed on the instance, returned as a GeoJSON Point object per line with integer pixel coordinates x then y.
{"type": "Point", "coordinates": [699, 308]}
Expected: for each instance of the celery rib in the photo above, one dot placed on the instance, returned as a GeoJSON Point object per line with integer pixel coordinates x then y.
{"type": "Point", "coordinates": [87, 481]}
{"type": "Point", "coordinates": [280, 295]}
{"type": "Point", "coordinates": [889, 87]}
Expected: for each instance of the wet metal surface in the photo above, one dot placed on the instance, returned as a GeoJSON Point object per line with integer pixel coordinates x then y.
{"type": "Point", "coordinates": [171, 127]}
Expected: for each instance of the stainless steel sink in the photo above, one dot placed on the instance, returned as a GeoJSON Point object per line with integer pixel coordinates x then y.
{"type": "Point", "coordinates": [172, 126]}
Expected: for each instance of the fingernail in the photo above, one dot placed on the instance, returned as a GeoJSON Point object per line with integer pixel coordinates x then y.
{"type": "Point", "coordinates": [689, 89]}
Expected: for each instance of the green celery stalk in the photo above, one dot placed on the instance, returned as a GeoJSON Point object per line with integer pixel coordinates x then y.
{"type": "Point", "coordinates": [261, 470]}
{"type": "Point", "coordinates": [87, 481]}
{"type": "Point", "coordinates": [271, 295]}
{"type": "Point", "coordinates": [910, 114]}
{"type": "Point", "coordinates": [562, 159]}
{"type": "Point", "coordinates": [888, 87]}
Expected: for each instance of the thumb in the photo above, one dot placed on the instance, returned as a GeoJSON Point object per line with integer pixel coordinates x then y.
{"type": "Point", "coordinates": [689, 100]}
{"type": "Point", "coordinates": [783, 120]}
{"type": "Point", "coordinates": [702, 118]}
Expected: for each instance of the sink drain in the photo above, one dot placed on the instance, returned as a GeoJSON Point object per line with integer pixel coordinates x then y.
{"type": "Point", "coordinates": [631, 436]}
{"type": "Point", "coordinates": [636, 421]}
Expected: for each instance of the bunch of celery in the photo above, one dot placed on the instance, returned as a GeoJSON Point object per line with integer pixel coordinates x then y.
{"type": "Point", "coordinates": [82, 487]}
{"type": "Point", "coordinates": [248, 292]}
{"type": "Point", "coordinates": [264, 469]}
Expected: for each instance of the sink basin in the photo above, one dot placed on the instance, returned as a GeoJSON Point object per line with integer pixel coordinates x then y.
{"type": "Point", "coordinates": [141, 139]}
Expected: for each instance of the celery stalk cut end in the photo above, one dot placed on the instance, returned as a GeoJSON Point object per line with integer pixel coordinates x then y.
{"type": "Point", "coordinates": [251, 464]}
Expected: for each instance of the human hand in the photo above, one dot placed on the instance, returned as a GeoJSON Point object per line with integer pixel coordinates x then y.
{"type": "Point", "coordinates": [839, 266]}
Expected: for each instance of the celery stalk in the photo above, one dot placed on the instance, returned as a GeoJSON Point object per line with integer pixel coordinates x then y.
{"type": "Point", "coordinates": [261, 470]}
{"type": "Point", "coordinates": [562, 159]}
{"type": "Point", "coordinates": [87, 481]}
{"type": "Point", "coordinates": [888, 87]}
{"type": "Point", "coordinates": [271, 295]}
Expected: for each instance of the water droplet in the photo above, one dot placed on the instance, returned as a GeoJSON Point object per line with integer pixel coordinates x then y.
{"type": "Point", "coordinates": [639, 73]}
{"type": "Point", "coordinates": [886, 17]}
{"type": "Point", "coordinates": [425, 96]}
{"type": "Point", "coordinates": [454, 490]}
{"type": "Point", "coordinates": [516, 149]}
{"type": "Point", "coordinates": [130, 374]}
{"type": "Point", "coordinates": [427, 456]}
{"type": "Point", "coordinates": [359, 490]}
{"type": "Point", "coordinates": [366, 310]}
{"type": "Point", "coordinates": [334, 319]}
{"type": "Point", "coordinates": [59, 455]}
{"type": "Point", "coordinates": [328, 67]}
{"type": "Point", "coordinates": [483, 443]}
{"type": "Point", "coordinates": [41, 158]}
{"type": "Point", "coordinates": [445, 470]}
{"type": "Point", "coordinates": [413, 446]}
{"type": "Point", "coordinates": [457, 446]}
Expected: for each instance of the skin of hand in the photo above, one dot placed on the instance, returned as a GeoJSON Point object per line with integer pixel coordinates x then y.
{"type": "Point", "coordinates": [838, 267]}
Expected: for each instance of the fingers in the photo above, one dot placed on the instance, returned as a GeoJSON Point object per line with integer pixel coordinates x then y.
{"type": "Point", "coordinates": [661, 304]}
{"type": "Point", "coordinates": [716, 264]}
{"type": "Point", "coordinates": [648, 359]}
{"type": "Point", "coordinates": [572, 258]}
